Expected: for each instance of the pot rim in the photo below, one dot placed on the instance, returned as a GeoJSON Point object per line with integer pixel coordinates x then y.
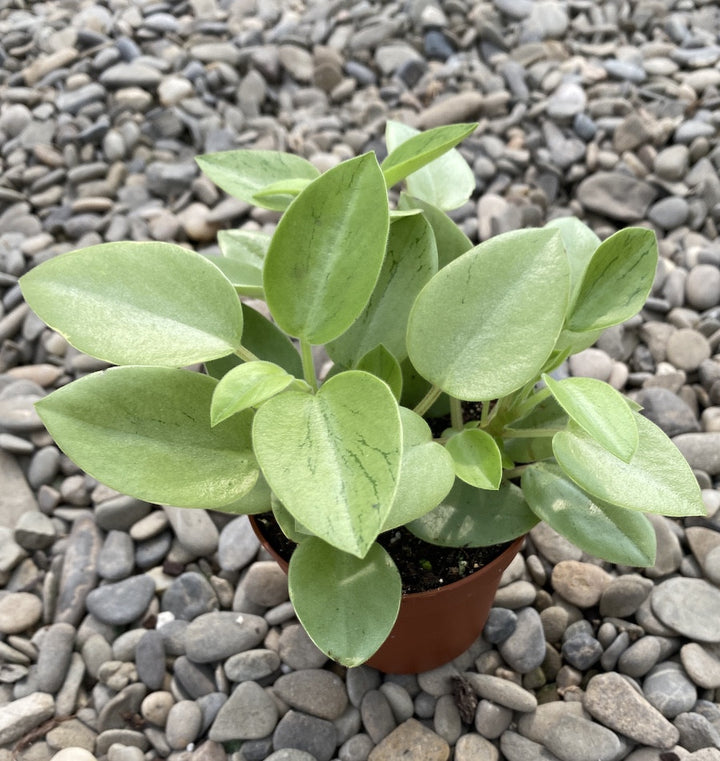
{"type": "Point", "coordinates": [428, 593]}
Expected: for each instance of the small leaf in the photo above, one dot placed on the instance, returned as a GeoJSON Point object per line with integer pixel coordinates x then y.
{"type": "Point", "coordinates": [137, 303]}
{"type": "Point", "coordinates": [470, 517]}
{"type": "Point", "coordinates": [450, 240]}
{"type": "Point", "coordinates": [447, 182]}
{"type": "Point", "coordinates": [410, 261]}
{"type": "Point", "coordinates": [600, 410]}
{"type": "Point", "coordinates": [580, 244]}
{"type": "Point", "coordinates": [245, 278]}
{"type": "Point", "coordinates": [476, 457]}
{"type": "Point", "coordinates": [145, 431]}
{"type": "Point", "coordinates": [245, 386]}
{"type": "Point", "coordinates": [469, 329]}
{"type": "Point", "coordinates": [348, 606]}
{"type": "Point", "coordinates": [333, 459]}
{"type": "Point", "coordinates": [292, 529]}
{"type": "Point", "coordinates": [327, 251]}
{"type": "Point", "coordinates": [382, 364]}
{"type": "Point", "coordinates": [244, 173]}
{"type": "Point", "coordinates": [426, 473]}
{"type": "Point", "coordinates": [617, 281]}
{"type": "Point", "coordinates": [605, 531]}
{"type": "Point", "coordinates": [656, 480]}
{"type": "Point", "coordinates": [247, 246]}
{"type": "Point", "coordinates": [420, 149]}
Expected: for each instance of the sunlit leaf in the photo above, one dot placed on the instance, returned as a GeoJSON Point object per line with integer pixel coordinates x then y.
{"type": "Point", "coordinates": [382, 364]}
{"type": "Point", "coordinates": [476, 458]}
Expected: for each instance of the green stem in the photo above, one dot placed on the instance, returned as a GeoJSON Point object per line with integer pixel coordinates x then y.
{"type": "Point", "coordinates": [308, 364]}
{"type": "Point", "coordinates": [246, 355]}
{"type": "Point", "coordinates": [514, 472]}
{"type": "Point", "coordinates": [456, 415]}
{"type": "Point", "coordinates": [428, 400]}
{"type": "Point", "coordinates": [529, 404]}
{"type": "Point", "coordinates": [529, 433]}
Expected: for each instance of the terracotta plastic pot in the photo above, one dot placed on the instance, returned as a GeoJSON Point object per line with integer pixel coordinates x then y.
{"type": "Point", "coordinates": [433, 627]}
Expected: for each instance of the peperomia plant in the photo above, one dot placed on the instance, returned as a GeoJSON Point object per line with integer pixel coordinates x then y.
{"type": "Point", "coordinates": [418, 323]}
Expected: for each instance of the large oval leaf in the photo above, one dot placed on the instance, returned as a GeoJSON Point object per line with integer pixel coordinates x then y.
{"type": "Point", "coordinates": [476, 458]}
{"type": "Point", "coordinates": [605, 531]}
{"type": "Point", "coordinates": [656, 480]}
{"type": "Point", "coordinates": [327, 251]}
{"type": "Point", "coordinates": [347, 605]}
{"type": "Point", "coordinates": [243, 173]}
{"type": "Point", "coordinates": [137, 303]}
{"type": "Point", "coordinates": [600, 410]}
{"type": "Point", "coordinates": [145, 431]}
{"type": "Point", "coordinates": [426, 473]}
{"type": "Point", "coordinates": [410, 261]}
{"type": "Point", "coordinates": [409, 153]}
{"type": "Point", "coordinates": [484, 325]}
{"type": "Point", "coordinates": [470, 517]}
{"type": "Point", "coordinates": [617, 280]}
{"type": "Point", "coordinates": [333, 459]}
{"type": "Point", "coordinates": [447, 182]}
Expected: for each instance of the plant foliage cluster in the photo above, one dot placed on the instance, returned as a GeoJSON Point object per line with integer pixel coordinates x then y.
{"type": "Point", "coordinates": [416, 320]}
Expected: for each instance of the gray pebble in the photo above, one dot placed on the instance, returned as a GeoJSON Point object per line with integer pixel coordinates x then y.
{"type": "Point", "coordinates": [640, 657]}
{"type": "Point", "coordinates": [501, 623]}
{"type": "Point", "coordinates": [251, 665]}
{"type": "Point", "coordinates": [524, 649]}
{"type": "Point", "coordinates": [183, 724]}
{"type": "Point", "coordinates": [668, 689]}
{"type": "Point", "coordinates": [189, 596]}
{"type": "Point", "coordinates": [701, 450]}
{"type": "Point", "coordinates": [54, 657]}
{"type": "Point", "coordinates": [314, 691]}
{"type": "Point", "coordinates": [377, 715]}
{"type": "Point", "coordinates": [150, 660]}
{"type": "Point", "coordinates": [702, 287]}
{"type": "Point", "coordinates": [298, 651]}
{"type": "Point", "coordinates": [667, 410]}
{"type": "Point", "coordinates": [237, 544]}
{"type": "Point", "coordinates": [317, 737]}
{"type": "Point", "coordinates": [218, 635]}
{"type": "Point", "coordinates": [121, 602]}
{"type": "Point", "coordinates": [687, 349]}
{"type": "Point", "coordinates": [701, 664]}
{"type": "Point", "coordinates": [492, 719]}
{"type": "Point", "coordinates": [117, 556]}
{"type": "Point", "coordinates": [696, 731]}
{"type": "Point", "coordinates": [582, 650]}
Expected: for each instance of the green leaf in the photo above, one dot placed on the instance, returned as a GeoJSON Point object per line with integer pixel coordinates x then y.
{"type": "Point", "coordinates": [348, 606]}
{"type": "Point", "coordinates": [580, 244]}
{"type": "Point", "coordinates": [568, 343]}
{"type": "Point", "coordinates": [327, 251]}
{"type": "Point", "coordinates": [415, 387]}
{"type": "Point", "coordinates": [279, 195]}
{"type": "Point", "coordinates": [617, 280]}
{"type": "Point", "coordinates": [656, 480]}
{"type": "Point", "coordinates": [437, 174]}
{"type": "Point", "coordinates": [247, 246]}
{"type": "Point", "coordinates": [266, 341]}
{"type": "Point", "coordinates": [476, 457]}
{"type": "Point", "coordinates": [145, 431]}
{"type": "Point", "coordinates": [450, 240]}
{"type": "Point", "coordinates": [605, 531]}
{"type": "Point", "coordinates": [244, 173]}
{"type": "Point", "coordinates": [382, 364]}
{"type": "Point", "coordinates": [485, 325]}
{"type": "Point", "coordinates": [470, 517]}
{"type": "Point", "coordinates": [410, 261]}
{"type": "Point", "coordinates": [245, 386]}
{"type": "Point", "coordinates": [546, 415]}
{"type": "Point", "coordinates": [333, 459]}
{"type": "Point", "coordinates": [137, 303]}
{"type": "Point", "coordinates": [257, 500]}
{"type": "Point", "coordinates": [600, 410]}
{"type": "Point", "coordinates": [426, 473]}
{"type": "Point", "coordinates": [292, 529]}
{"type": "Point", "coordinates": [245, 278]}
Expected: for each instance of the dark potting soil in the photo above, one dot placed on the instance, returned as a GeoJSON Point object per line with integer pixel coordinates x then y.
{"type": "Point", "coordinates": [423, 566]}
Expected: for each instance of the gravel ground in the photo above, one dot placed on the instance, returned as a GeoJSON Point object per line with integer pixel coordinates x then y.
{"type": "Point", "coordinates": [119, 630]}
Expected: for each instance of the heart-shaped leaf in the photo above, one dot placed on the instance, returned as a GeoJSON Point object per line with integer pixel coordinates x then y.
{"type": "Point", "coordinates": [347, 605]}
{"type": "Point", "coordinates": [617, 280]}
{"type": "Point", "coordinates": [502, 305]}
{"type": "Point", "coordinates": [245, 386]}
{"type": "Point", "coordinates": [656, 480]}
{"type": "Point", "coordinates": [470, 517]}
{"type": "Point", "coordinates": [600, 410]}
{"type": "Point", "coordinates": [327, 251]}
{"type": "Point", "coordinates": [476, 458]}
{"type": "Point", "coordinates": [333, 459]}
{"type": "Point", "coordinates": [145, 431]}
{"type": "Point", "coordinates": [605, 531]}
{"type": "Point", "coordinates": [426, 473]}
{"type": "Point", "coordinates": [410, 261]}
{"type": "Point", "coordinates": [243, 173]}
{"type": "Point", "coordinates": [382, 364]}
{"type": "Point", "coordinates": [143, 303]}
{"type": "Point", "coordinates": [447, 181]}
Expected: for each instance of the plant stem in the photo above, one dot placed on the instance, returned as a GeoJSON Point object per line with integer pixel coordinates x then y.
{"type": "Point", "coordinates": [246, 355]}
{"type": "Point", "coordinates": [308, 364]}
{"type": "Point", "coordinates": [456, 415]}
{"type": "Point", "coordinates": [529, 433]}
{"type": "Point", "coordinates": [428, 400]}
{"type": "Point", "coordinates": [529, 404]}
{"type": "Point", "coordinates": [514, 472]}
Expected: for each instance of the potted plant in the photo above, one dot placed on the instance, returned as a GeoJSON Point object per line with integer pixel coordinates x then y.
{"type": "Point", "coordinates": [439, 418]}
